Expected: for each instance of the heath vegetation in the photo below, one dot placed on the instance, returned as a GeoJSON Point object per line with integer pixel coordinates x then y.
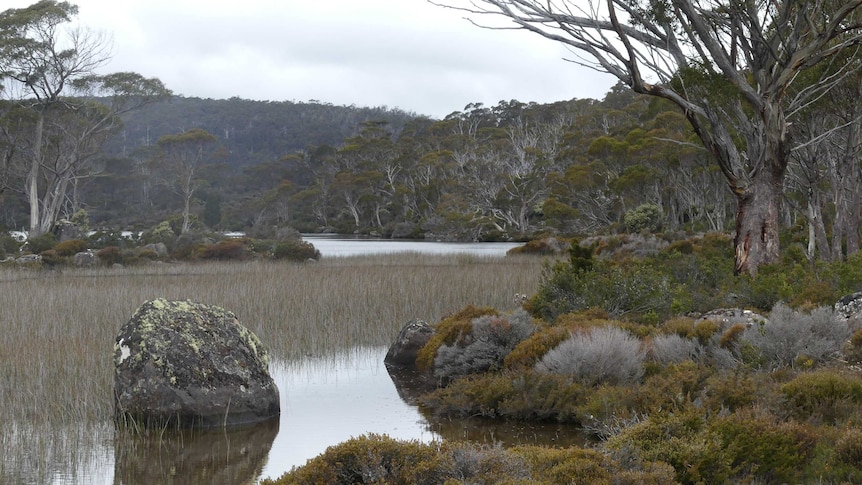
{"type": "Point", "coordinates": [612, 344]}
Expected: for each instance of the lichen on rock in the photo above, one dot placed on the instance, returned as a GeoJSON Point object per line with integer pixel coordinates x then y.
{"type": "Point", "coordinates": [188, 364]}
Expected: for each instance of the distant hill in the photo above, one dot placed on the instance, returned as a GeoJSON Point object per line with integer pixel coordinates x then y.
{"type": "Point", "coordinates": [251, 131]}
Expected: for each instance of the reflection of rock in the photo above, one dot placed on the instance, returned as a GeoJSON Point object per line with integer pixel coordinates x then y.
{"type": "Point", "coordinates": [411, 383]}
{"type": "Point", "coordinates": [184, 364]}
{"type": "Point", "coordinates": [193, 456]}
{"type": "Point", "coordinates": [400, 361]}
{"type": "Point", "coordinates": [410, 340]}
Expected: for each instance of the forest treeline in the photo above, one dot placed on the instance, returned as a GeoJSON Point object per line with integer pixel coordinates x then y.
{"type": "Point", "coordinates": [627, 163]}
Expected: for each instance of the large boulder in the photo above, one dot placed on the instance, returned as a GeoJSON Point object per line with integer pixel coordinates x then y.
{"type": "Point", "coordinates": [185, 364]}
{"type": "Point", "coordinates": [412, 337]}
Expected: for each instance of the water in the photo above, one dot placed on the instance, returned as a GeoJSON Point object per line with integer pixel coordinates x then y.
{"type": "Point", "coordinates": [337, 245]}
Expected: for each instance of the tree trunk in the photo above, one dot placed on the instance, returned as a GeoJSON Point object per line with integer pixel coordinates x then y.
{"type": "Point", "coordinates": [756, 242]}
{"type": "Point", "coordinates": [33, 182]}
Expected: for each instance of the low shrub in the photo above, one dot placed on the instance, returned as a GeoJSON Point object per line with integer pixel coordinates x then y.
{"type": "Point", "coordinates": [848, 448]}
{"type": "Point", "coordinates": [645, 217]}
{"type": "Point", "coordinates": [722, 449]}
{"type": "Point", "coordinates": [40, 244]}
{"type": "Point", "coordinates": [225, 250]}
{"type": "Point", "coordinates": [824, 396]}
{"type": "Point", "coordinates": [790, 338]}
{"type": "Point", "coordinates": [110, 255]}
{"type": "Point", "coordinates": [673, 349]}
{"type": "Point", "coordinates": [295, 250]}
{"type": "Point", "coordinates": [448, 331]}
{"type": "Point", "coordinates": [8, 245]}
{"type": "Point", "coordinates": [484, 347]}
{"type": "Point", "coordinates": [600, 355]}
{"type": "Point", "coordinates": [51, 257]}
{"type": "Point", "coordinates": [70, 247]}
{"type": "Point", "coordinates": [381, 459]}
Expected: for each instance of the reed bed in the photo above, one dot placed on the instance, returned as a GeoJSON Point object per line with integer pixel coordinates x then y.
{"type": "Point", "coordinates": [57, 328]}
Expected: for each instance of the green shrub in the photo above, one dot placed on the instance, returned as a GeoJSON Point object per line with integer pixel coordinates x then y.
{"type": "Point", "coordinates": [295, 250]}
{"type": "Point", "coordinates": [645, 217]}
{"type": "Point", "coordinates": [40, 244]}
{"type": "Point", "coordinates": [70, 247]}
{"type": "Point", "coordinates": [848, 448]}
{"type": "Point", "coordinates": [826, 396]}
{"type": "Point", "coordinates": [8, 246]}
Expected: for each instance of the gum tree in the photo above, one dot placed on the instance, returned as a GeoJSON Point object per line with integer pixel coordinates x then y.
{"type": "Point", "coordinates": [68, 107]}
{"type": "Point", "coordinates": [727, 64]}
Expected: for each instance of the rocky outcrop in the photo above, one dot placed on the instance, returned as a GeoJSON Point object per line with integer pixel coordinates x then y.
{"type": "Point", "coordinates": [412, 337]}
{"type": "Point", "coordinates": [185, 364]}
{"type": "Point", "coordinates": [849, 307]}
{"type": "Point", "coordinates": [727, 317]}
{"type": "Point", "coordinates": [84, 259]}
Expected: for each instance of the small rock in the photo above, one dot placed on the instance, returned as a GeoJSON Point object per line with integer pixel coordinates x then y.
{"type": "Point", "coordinates": [412, 337]}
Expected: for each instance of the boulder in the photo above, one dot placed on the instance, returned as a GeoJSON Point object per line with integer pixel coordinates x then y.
{"type": "Point", "coordinates": [727, 317]}
{"type": "Point", "coordinates": [185, 364]}
{"type": "Point", "coordinates": [159, 248]}
{"type": "Point", "coordinates": [84, 259]}
{"type": "Point", "coordinates": [849, 307]}
{"type": "Point", "coordinates": [412, 337]}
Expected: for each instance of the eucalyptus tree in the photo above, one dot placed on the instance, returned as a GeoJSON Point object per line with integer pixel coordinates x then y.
{"type": "Point", "coordinates": [52, 71]}
{"type": "Point", "coordinates": [728, 65]}
{"type": "Point", "coordinates": [180, 157]}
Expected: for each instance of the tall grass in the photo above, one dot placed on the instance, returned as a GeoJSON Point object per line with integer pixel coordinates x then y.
{"type": "Point", "coordinates": [57, 328]}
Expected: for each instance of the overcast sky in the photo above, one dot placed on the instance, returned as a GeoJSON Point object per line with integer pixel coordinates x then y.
{"type": "Point", "coordinates": [407, 54]}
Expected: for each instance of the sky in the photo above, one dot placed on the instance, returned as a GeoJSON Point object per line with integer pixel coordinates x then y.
{"type": "Point", "coordinates": [406, 54]}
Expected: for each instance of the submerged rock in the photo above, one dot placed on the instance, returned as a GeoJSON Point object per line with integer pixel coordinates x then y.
{"type": "Point", "coordinates": [412, 337]}
{"type": "Point", "coordinates": [185, 364]}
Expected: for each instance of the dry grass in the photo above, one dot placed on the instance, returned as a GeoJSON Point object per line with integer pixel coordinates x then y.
{"type": "Point", "coordinates": [57, 329]}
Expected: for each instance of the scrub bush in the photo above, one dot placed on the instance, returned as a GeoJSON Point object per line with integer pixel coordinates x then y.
{"type": "Point", "coordinates": [824, 396]}
{"type": "Point", "coordinates": [110, 255]}
{"type": "Point", "coordinates": [673, 349]}
{"type": "Point", "coordinates": [484, 347]}
{"type": "Point", "coordinates": [448, 331]}
{"type": "Point", "coordinates": [295, 250]}
{"type": "Point", "coordinates": [790, 338]}
{"type": "Point", "coordinates": [600, 355]}
{"type": "Point", "coordinates": [645, 217]}
{"type": "Point", "coordinates": [40, 244]}
{"type": "Point", "coordinates": [225, 250]}
{"type": "Point", "coordinates": [70, 247]}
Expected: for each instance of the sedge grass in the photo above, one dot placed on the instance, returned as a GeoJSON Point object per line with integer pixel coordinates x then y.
{"type": "Point", "coordinates": [57, 328]}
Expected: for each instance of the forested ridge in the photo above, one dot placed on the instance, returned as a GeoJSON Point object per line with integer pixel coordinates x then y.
{"type": "Point", "coordinates": [627, 163]}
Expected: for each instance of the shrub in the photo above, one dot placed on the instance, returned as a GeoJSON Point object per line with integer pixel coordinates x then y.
{"type": "Point", "coordinates": [600, 355]}
{"type": "Point", "coordinates": [848, 448]}
{"type": "Point", "coordinates": [645, 217]}
{"type": "Point", "coordinates": [671, 349]}
{"type": "Point", "coordinates": [8, 245]}
{"type": "Point", "coordinates": [110, 255]}
{"type": "Point", "coordinates": [225, 250]}
{"type": "Point", "coordinates": [490, 339]}
{"type": "Point", "coordinates": [70, 247]}
{"type": "Point", "coordinates": [295, 250]}
{"type": "Point", "coordinates": [824, 396]}
{"type": "Point", "coordinates": [789, 336]}
{"type": "Point", "coordinates": [448, 331]}
{"type": "Point", "coordinates": [52, 258]}
{"type": "Point", "coordinates": [40, 244]}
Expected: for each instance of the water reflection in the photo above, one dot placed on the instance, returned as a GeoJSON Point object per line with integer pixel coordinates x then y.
{"type": "Point", "coordinates": [325, 401]}
{"type": "Point", "coordinates": [193, 456]}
